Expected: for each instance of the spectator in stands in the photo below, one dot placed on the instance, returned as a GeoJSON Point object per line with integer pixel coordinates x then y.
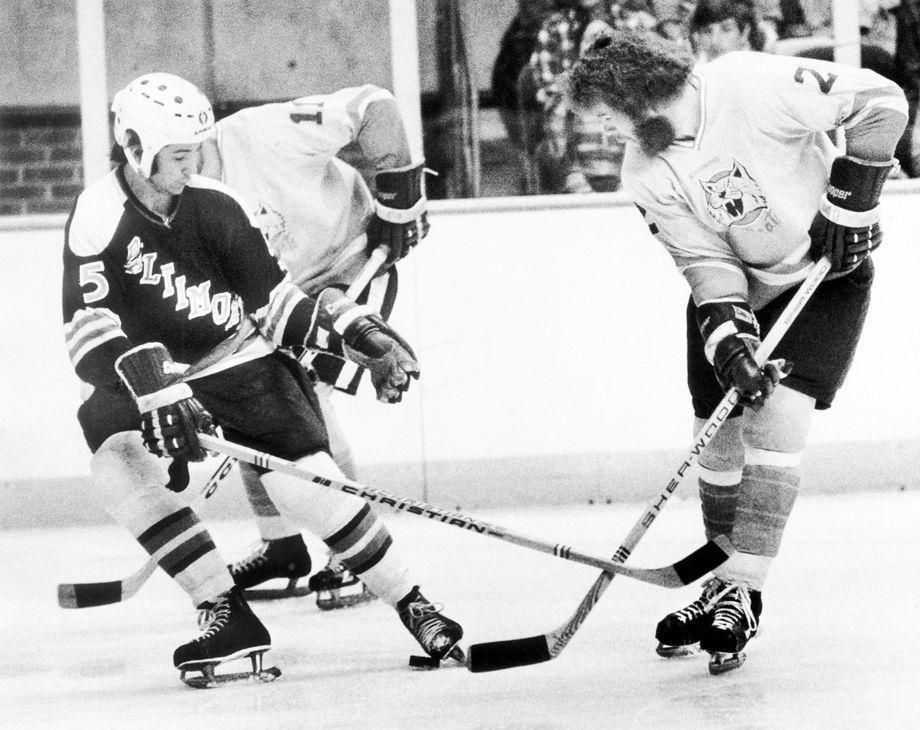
{"type": "Point", "coordinates": [791, 22]}
{"type": "Point", "coordinates": [674, 30]}
{"type": "Point", "coordinates": [563, 153]}
{"type": "Point", "coordinates": [517, 45]}
{"type": "Point", "coordinates": [720, 26]}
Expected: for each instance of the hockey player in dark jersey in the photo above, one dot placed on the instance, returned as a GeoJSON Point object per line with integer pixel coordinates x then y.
{"type": "Point", "coordinates": [322, 220]}
{"type": "Point", "coordinates": [161, 268]}
{"type": "Point", "coordinates": [731, 167]}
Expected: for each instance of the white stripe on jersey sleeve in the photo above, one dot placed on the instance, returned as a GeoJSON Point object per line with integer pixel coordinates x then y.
{"type": "Point", "coordinates": [88, 329]}
{"type": "Point", "coordinates": [272, 319]}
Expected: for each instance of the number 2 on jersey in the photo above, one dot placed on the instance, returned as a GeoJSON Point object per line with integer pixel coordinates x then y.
{"type": "Point", "coordinates": [824, 84]}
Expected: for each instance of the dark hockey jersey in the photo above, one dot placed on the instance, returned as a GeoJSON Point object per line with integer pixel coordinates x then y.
{"type": "Point", "coordinates": [189, 282]}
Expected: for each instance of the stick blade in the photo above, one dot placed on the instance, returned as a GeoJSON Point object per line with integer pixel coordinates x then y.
{"type": "Point", "coordinates": [86, 595]}
{"type": "Point", "coordinates": [703, 560]}
{"type": "Point", "coordinates": [495, 655]}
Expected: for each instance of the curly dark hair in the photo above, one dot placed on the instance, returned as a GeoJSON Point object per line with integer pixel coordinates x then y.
{"type": "Point", "coordinates": [743, 12]}
{"type": "Point", "coordinates": [630, 71]}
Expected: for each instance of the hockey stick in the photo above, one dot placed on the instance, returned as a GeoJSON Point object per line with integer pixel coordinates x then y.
{"type": "Point", "coordinates": [86, 595]}
{"type": "Point", "coordinates": [684, 571]}
{"type": "Point", "coordinates": [510, 653]}
{"type": "Point", "coordinates": [377, 258]}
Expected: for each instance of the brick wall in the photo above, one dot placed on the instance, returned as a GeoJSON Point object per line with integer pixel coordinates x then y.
{"type": "Point", "coordinates": [41, 169]}
{"type": "Point", "coordinates": [41, 166]}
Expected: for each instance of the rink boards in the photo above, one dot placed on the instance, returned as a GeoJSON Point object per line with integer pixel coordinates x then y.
{"type": "Point", "coordinates": [550, 332]}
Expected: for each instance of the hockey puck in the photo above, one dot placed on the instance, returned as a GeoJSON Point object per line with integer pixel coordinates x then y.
{"type": "Point", "coordinates": [423, 662]}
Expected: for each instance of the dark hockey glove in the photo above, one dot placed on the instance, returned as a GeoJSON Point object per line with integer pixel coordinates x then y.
{"type": "Point", "coordinates": [846, 227]}
{"type": "Point", "coordinates": [736, 368]}
{"type": "Point", "coordinates": [171, 416]}
{"type": "Point", "coordinates": [400, 217]}
{"type": "Point", "coordinates": [370, 342]}
{"type": "Point", "coordinates": [731, 335]}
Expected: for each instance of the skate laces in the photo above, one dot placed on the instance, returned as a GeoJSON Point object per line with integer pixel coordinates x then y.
{"type": "Point", "coordinates": [424, 621]}
{"type": "Point", "coordinates": [213, 618]}
{"type": "Point", "coordinates": [255, 559]}
{"type": "Point", "coordinates": [334, 568]}
{"type": "Point", "coordinates": [704, 604]}
{"type": "Point", "coordinates": [733, 603]}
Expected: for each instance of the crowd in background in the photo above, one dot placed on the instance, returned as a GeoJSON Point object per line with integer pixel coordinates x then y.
{"type": "Point", "coordinates": [562, 154]}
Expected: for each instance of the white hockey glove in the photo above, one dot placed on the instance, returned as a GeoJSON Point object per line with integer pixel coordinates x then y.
{"type": "Point", "coordinates": [370, 342]}
{"type": "Point", "coordinates": [846, 228]}
{"type": "Point", "coordinates": [400, 218]}
{"type": "Point", "coordinates": [171, 416]}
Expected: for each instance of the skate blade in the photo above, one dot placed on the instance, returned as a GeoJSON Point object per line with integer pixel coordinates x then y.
{"type": "Point", "coordinates": [274, 594]}
{"type": "Point", "coordinates": [202, 681]}
{"type": "Point", "coordinates": [291, 590]}
{"type": "Point", "coordinates": [319, 586]}
{"type": "Point", "coordinates": [675, 652]}
{"type": "Point", "coordinates": [456, 655]}
{"type": "Point", "coordinates": [209, 679]}
{"type": "Point", "coordinates": [721, 662]}
{"type": "Point", "coordinates": [454, 658]}
{"type": "Point", "coordinates": [332, 600]}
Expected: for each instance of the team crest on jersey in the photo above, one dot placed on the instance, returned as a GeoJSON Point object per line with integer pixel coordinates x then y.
{"type": "Point", "coordinates": [134, 261]}
{"type": "Point", "coordinates": [733, 197]}
{"type": "Point", "coordinates": [271, 223]}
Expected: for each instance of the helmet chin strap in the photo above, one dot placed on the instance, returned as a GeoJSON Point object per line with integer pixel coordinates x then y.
{"type": "Point", "coordinates": [133, 156]}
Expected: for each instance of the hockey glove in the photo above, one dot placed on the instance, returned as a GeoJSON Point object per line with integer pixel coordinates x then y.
{"type": "Point", "coordinates": [846, 227]}
{"type": "Point", "coordinates": [370, 342]}
{"type": "Point", "coordinates": [400, 212]}
{"type": "Point", "coordinates": [731, 336]}
{"type": "Point", "coordinates": [171, 416]}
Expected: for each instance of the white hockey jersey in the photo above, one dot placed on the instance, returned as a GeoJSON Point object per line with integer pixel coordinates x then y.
{"type": "Point", "coordinates": [312, 207]}
{"type": "Point", "coordinates": [733, 205]}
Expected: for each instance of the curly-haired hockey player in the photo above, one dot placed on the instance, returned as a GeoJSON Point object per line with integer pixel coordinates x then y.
{"type": "Point", "coordinates": [731, 167]}
{"type": "Point", "coordinates": [322, 221]}
{"type": "Point", "coordinates": [161, 269]}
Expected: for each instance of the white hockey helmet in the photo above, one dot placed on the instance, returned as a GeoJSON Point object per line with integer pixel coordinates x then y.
{"type": "Point", "coordinates": [161, 109]}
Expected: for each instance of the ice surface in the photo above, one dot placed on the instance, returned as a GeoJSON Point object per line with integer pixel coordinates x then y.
{"type": "Point", "coordinates": [839, 646]}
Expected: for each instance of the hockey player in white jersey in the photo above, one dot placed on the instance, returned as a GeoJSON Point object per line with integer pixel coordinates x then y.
{"type": "Point", "coordinates": [322, 221]}
{"type": "Point", "coordinates": [731, 167]}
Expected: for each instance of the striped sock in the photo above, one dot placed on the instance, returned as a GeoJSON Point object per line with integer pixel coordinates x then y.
{"type": "Point", "coordinates": [271, 523]}
{"type": "Point", "coordinates": [718, 496]}
{"type": "Point", "coordinates": [184, 549]}
{"type": "Point", "coordinates": [769, 486]}
{"type": "Point", "coordinates": [364, 546]}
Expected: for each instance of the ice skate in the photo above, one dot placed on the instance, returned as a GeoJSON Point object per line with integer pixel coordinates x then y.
{"type": "Point", "coordinates": [436, 634]}
{"type": "Point", "coordinates": [230, 630]}
{"type": "Point", "coordinates": [337, 587]}
{"type": "Point", "coordinates": [286, 558]}
{"type": "Point", "coordinates": [734, 623]}
{"type": "Point", "coordinates": [679, 632]}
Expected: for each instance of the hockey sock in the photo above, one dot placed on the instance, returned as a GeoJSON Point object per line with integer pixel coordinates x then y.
{"type": "Point", "coordinates": [719, 495]}
{"type": "Point", "coordinates": [769, 486]}
{"type": "Point", "coordinates": [365, 547]}
{"type": "Point", "coordinates": [271, 523]}
{"type": "Point", "coordinates": [346, 524]}
{"type": "Point", "coordinates": [130, 483]}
